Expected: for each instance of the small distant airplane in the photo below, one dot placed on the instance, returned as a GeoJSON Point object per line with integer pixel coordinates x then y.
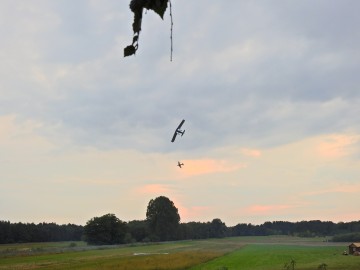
{"type": "Point", "coordinates": [180, 164]}
{"type": "Point", "coordinates": [178, 131]}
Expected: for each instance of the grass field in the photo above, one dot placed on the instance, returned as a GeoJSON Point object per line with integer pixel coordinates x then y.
{"type": "Point", "coordinates": [271, 257]}
{"type": "Point", "coordinates": [266, 253]}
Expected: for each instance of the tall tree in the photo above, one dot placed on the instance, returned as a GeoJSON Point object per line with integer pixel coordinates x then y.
{"type": "Point", "coordinates": [217, 228]}
{"type": "Point", "coordinates": [163, 218]}
{"type": "Point", "coordinates": [105, 230]}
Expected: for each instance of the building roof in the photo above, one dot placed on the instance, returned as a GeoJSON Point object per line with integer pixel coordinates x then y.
{"type": "Point", "coordinates": [354, 245]}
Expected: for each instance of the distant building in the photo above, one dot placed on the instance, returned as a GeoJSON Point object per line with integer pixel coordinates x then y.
{"type": "Point", "coordinates": [354, 248]}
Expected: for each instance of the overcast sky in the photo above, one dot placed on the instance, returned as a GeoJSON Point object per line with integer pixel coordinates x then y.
{"type": "Point", "coordinates": [270, 91]}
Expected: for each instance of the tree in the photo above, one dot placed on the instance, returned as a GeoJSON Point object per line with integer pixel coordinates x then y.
{"type": "Point", "coordinates": [163, 218]}
{"type": "Point", "coordinates": [139, 230]}
{"type": "Point", "coordinates": [217, 228]}
{"type": "Point", "coordinates": [105, 230]}
{"type": "Point", "coordinates": [5, 232]}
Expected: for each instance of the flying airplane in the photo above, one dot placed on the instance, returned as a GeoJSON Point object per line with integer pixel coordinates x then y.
{"type": "Point", "coordinates": [178, 131]}
{"type": "Point", "coordinates": [180, 164]}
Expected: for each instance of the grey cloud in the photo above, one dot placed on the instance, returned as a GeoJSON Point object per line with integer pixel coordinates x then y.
{"type": "Point", "coordinates": [243, 72]}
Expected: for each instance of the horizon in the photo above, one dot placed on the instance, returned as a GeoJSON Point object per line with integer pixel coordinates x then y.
{"type": "Point", "coordinates": [253, 224]}
{"type": "Point", "coordinates": [269, 91]}
{"type": "Point", "coordinates": [127, 221]}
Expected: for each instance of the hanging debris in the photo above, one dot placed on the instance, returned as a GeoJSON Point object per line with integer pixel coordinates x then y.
{"type": "Point", "coordinates": [137, 7]}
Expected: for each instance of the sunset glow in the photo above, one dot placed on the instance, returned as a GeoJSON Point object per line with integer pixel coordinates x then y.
{"type": "Point", "coordinates": [337, 146]}
{"type": "Point", "coordinates": [271, 111]}
{"type": "Point", "coordinates": [209, 166]}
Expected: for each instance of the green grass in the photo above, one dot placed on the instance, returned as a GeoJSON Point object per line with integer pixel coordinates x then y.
{"type": "Point", "coordinates": [234, 253]}
{"type": "Point", "coordinates": [174, 255]}
{"type": "Point", "coordinates": [271, 257]}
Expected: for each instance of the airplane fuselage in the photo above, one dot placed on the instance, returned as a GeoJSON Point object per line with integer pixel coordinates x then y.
{"type": "Point", "coordinates": [178, 131]}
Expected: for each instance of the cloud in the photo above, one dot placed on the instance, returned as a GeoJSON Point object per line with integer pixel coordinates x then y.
{"type": "Point", "coordinates": [270, 101]}
{"type": "Point", "coordinates": [271, 81]}
{"type": "Point", "coordinates": [251, 152]}
{"type": "Point", "coordinates": [337, 146]}
{"type": "Point", "coordinates": [193, 213]}
{"type": "Point", "coordinates": [154, 189]}
{"type": "Point", "coordinates": [209, 166]}
{"type": "Point", "coordinates": [268, 209]}
{"type": "Point", "coordinates": [19, 138]}
{"type": "Point", "coordinates": [344, 188]}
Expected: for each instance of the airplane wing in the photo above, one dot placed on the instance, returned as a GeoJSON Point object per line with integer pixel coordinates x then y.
{"type": "Point", "coordinates": [175, 133]}
{"type": "Point", "coordinates": [182, 122]}
{"type": "Point", "coordinates": [174, 137]}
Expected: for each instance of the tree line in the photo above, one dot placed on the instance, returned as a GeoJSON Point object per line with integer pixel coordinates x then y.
{"type": "Point", "coordinates": [42, 232]}
{"type": "Point", "coordinates": [162, 223]}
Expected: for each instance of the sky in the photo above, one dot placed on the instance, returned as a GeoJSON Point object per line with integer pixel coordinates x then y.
{"type": "Point", "coordinates": [269, 90]}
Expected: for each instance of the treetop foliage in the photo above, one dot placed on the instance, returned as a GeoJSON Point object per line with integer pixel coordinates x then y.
{"type": "Point", "coordinates": [105, 230]}
{"type": "Point", "coordinates": [42, 232]}
{"type": "Point", "coordinates": [163, 218]}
